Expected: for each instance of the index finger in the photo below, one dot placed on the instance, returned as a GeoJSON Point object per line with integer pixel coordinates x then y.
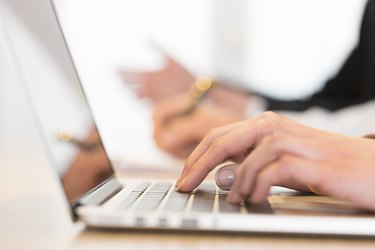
{"type": "Point", "coordinates": [232, 143]}
{"type": "Point", "coordinates": [203, 146]}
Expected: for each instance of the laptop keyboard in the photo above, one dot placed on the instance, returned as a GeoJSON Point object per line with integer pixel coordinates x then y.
{"type": "Point", "coordinates": [204, 198]}
{"type": "Point", "coordinates": [163, 197]}
{"type": "Point", "coordinates": [153, 197]}
{"type": "Point", "coordinates": [176, 201]}
{"type": "Point", "coordinates": [225, 206]}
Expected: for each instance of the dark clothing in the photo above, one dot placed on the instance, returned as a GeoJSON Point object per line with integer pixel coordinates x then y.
{"type": "Point", "coordinates": [355, 82]}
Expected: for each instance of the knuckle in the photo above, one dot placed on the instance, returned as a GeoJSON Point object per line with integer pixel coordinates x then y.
{"type": "Point", "coordinates": [269, 120]}
{"type": "Point", "coordinates": [274, 142]}
{"type": "Point", "coordinates": [277, 138]}
{"type": "Point", "coordinates": [218, 146]}
{"type": "Point", "coordinates": [286, 162]}
{"type": "Point", "coordinates": [269, 116]}
{"type": "Point", "coordinates": [211, 134]}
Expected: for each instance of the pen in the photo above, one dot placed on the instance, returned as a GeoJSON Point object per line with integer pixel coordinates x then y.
{"type": "Point", "coordinates": [196, 94]}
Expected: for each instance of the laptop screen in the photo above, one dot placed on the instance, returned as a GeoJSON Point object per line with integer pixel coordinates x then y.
{"type": "Point", "coordinates": [57, 99]}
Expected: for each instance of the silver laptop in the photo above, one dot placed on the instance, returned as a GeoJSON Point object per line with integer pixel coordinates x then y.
{"type": "Point", "coordinates": [99, 199]}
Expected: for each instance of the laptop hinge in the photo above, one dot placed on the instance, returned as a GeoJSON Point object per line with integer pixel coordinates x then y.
{"type": "Point", "coordinates": [101, 194]}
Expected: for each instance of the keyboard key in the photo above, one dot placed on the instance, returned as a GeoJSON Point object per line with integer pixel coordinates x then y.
{"type": "Point", "coordinates": [226, 207]}
{"type": "Point", "coordinates": [176, 201]}
{"type": "Point", "coordinates": [136, 192]}
{"type": "Point", "coordinates": [141, 187]}
{"type": "Point", "coordinates": [262, 208]}
{"type": "Point", "coordinates": [128, 201]}
{"type": "Point", "coordinates": [203, 201]}
{"type": "Point", "coordinates": [153, 197]}
{"type": "Point", "coordinates": [209, 187]}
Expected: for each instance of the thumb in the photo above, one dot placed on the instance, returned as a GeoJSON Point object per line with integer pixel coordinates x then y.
{"type": "Point", "coordinates": [224, 177]}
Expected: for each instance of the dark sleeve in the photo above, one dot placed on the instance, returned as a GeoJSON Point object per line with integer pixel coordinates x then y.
{"type": "Point", "coordinates": [355, 82]}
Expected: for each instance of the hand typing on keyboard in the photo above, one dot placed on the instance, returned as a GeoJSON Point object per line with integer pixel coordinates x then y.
{"type": "Point", "coordinates": [273, 150]}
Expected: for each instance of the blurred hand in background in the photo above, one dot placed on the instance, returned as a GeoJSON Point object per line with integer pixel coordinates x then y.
{"type": "Point", "coordinates": [156, 86]}
{"type": "Point", "coordinates": [168, 90]}
{"type": "Point", "coordinates": [179, 133]}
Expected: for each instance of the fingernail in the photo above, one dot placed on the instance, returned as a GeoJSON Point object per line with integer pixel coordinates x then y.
{"type": "Point", "coordinates": [224, 177]}
{"type": "Point", "coordinates": [178, 182]}
{"type": "Point", "coordinates": [180, 185]}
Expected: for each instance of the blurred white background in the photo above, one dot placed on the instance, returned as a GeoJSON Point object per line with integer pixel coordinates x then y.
{"type": "Point", "coordinates": [286, 48]}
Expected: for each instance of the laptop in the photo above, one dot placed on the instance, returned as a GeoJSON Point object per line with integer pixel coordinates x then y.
{"type": "Point", "coordinates": [95, 196]}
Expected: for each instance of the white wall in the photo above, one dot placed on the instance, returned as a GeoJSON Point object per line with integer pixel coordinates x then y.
{"type": "Point", "coordinates": [289, 47]}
